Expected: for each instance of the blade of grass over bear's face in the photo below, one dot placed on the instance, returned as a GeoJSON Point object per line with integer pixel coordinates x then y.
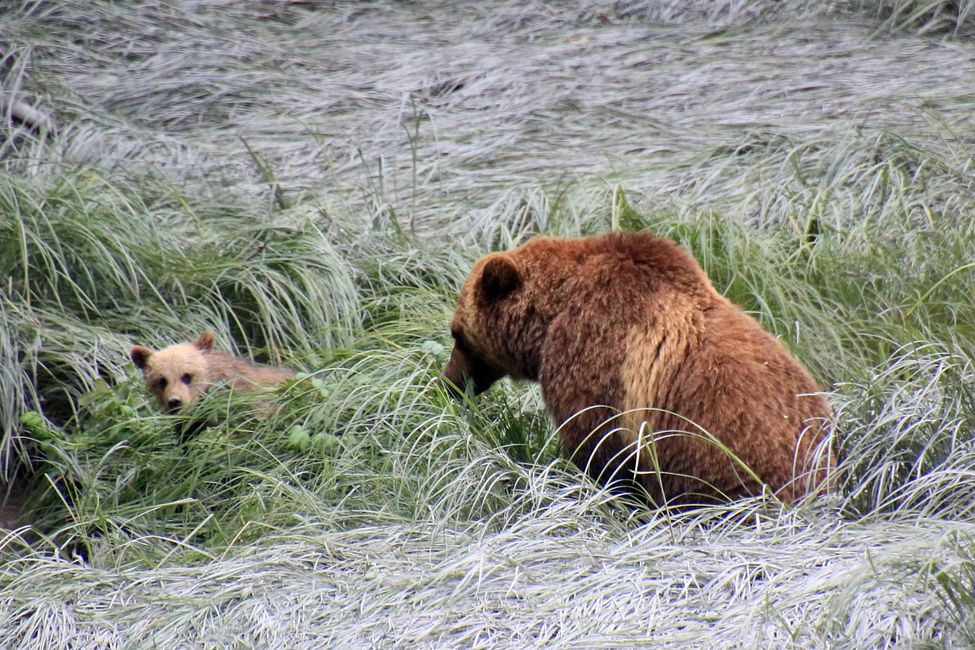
{"type": "Point", "coordinates": [313, 184]}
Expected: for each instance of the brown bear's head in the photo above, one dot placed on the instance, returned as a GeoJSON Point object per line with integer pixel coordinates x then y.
{"type": "Point", "coordinates": [176, 375]}
{"type": "Point", "coordinates": [502, 314]}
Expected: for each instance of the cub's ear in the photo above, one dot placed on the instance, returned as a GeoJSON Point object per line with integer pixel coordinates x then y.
{"type": "Point", "coordinates": [499, 278]}
{"type": "Point", "coordinates": [140, 356]}
{"type": "Point", "coordinates": [205, 341]}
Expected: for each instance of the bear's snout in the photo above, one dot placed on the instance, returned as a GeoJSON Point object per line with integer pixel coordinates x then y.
{"type": "Point", "coordinates": [174, 404]}
{"type": "Point", "coordinates": [455, 376]}
{"type": "Point", "coordinates": [463, 368]}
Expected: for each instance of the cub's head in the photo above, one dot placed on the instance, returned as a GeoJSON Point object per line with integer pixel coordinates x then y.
{"type": "Point", "coordinates": [501, 317]}
{"type": "Point", "coordinates": [176, 375]}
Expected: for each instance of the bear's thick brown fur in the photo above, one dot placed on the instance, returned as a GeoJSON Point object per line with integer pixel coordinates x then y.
{"type": "Point", "coordinates": [647, 369]}
{"type": "Point", "coordinates": [179, 374]}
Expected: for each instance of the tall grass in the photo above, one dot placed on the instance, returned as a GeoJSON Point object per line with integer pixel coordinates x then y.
{"type": "Point", "coordinates": [314, 183]}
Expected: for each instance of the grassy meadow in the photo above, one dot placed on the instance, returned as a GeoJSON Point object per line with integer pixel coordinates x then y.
{"type": "Point", "coordinates": [313, 180]}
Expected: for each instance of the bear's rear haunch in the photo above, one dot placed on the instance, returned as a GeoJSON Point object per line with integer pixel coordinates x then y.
{"type": "Point", "coordinates": [653, 376]}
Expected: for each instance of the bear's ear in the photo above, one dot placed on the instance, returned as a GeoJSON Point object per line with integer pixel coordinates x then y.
{"type": "Point", "coordinates": [140, 356]}
{"type": "Point", "coordinates": [499, 278]}
{"type": "Point", "coordinates": [205, 341]}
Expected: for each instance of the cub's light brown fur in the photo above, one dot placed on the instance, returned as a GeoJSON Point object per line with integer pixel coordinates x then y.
{"type": "Point", "coordinates": [646, 367]}
{"type": "Point", "coordinates": [179, 374]}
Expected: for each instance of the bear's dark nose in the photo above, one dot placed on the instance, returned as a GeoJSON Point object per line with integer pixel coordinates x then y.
{"type": "Point", "coordinates": [174, 403]}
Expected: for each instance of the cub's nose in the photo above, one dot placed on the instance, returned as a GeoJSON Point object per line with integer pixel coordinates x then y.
{"type": "Point", "coordinates": [174, 404]}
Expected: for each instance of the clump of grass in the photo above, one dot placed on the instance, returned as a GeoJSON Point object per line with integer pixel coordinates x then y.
{"type": "Point", "coordinates": [374, 433]}
{"type": "Point", "coordinates": [907, 433]}
{"type": "Point", "coordinates": [955, 583]}
{"type": "Point", "coordinates": [95, 265]}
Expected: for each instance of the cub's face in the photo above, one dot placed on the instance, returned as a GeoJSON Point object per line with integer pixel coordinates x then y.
{"type": "Point", "coordinates": [479, 356]}
{"type": "Point", "coordinates": [176, 375]}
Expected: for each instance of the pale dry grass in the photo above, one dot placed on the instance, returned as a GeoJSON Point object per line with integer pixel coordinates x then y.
{"type": "Point", "coordinates": [440, 117]}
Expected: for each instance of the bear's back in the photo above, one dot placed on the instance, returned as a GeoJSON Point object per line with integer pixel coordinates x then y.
{"type": "Point", "coordinates": [646, 334]}
{"type": "Point", "coordinates": [243, 373]}
{"type": "Point", "coordinates": [735, 391]}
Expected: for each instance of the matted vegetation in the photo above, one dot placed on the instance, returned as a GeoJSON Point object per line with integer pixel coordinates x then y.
{"type": "Point", "coordinates": [313, 183]}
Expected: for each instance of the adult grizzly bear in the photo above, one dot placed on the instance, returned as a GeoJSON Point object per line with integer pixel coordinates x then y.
{"type": "Point", "coordinates": [653, 376]}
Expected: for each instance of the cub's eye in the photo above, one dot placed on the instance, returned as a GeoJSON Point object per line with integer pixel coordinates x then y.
{"type": "Point", "coordinates": [161, 383]}
{"type": "Point", "coordinates": [187, 378]}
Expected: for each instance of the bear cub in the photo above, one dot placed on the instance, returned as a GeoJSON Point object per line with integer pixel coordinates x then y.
{"type": "Point", "coordinates": [181, 373]}
{"type": "Point", "coordinates": [656, 380]}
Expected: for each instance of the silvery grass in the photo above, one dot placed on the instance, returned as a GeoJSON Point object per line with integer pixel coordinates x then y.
{"type": "Point", "coordinates": [419, 117]}
{"type": "Point", "coordinates": [262, 172]}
